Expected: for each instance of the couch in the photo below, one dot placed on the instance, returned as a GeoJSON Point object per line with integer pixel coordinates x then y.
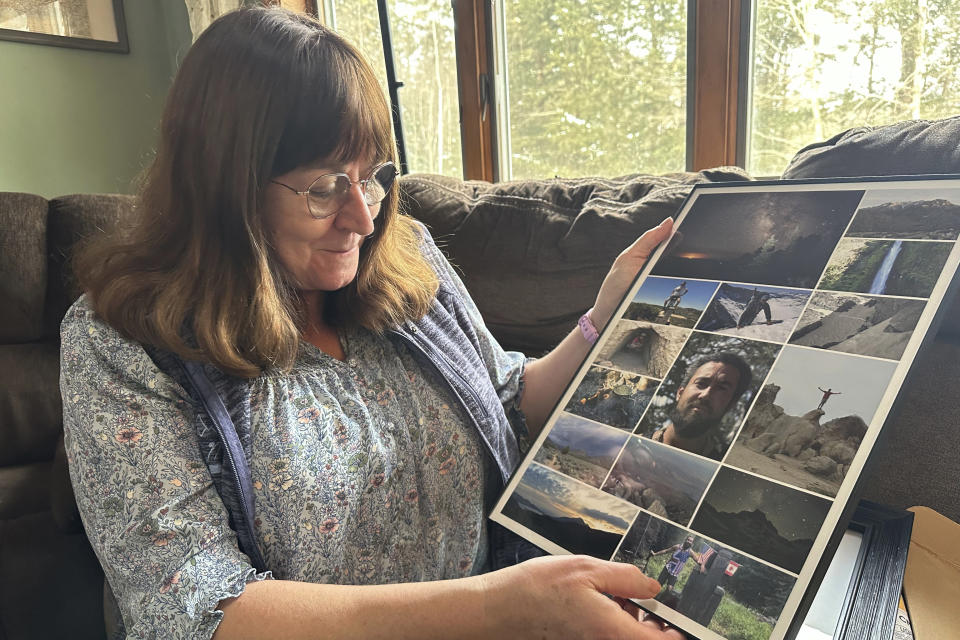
{"type": "Point", "coordinates": [533, 254]}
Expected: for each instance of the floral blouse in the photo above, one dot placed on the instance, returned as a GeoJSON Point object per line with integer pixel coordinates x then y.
{"type": "Point", "coordinates": [365, 471]}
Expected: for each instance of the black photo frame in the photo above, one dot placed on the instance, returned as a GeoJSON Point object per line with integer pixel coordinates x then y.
{"type": "Point", "coordinates": [804, 266]}
{"type": "Point", "coordinates": [870, 606]}
{"type": "Point", "coordinates": [120, 45]}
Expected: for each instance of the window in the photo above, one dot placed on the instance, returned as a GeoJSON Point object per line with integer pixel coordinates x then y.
{"type": "Point", "coordinates": [822, 67]}
{"type": "Point", "coordinates": [592, 87]}
{"type": "Point", "coordinates": [425, 60]}
{"type": "Point", "coordinates": [603, 87]}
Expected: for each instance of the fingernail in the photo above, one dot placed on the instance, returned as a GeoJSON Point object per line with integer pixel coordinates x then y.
{"type": "Point", "coordinates": [654, 584]}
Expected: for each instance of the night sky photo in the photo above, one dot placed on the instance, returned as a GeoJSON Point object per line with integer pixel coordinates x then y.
{"type": "Point", "coordinates": [762, 518]}
{"type": "Point", "coordinates": [778, 238]}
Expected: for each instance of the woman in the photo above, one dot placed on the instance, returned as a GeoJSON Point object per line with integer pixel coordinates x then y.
{"type": "Point", "coordinates": [268, 245]}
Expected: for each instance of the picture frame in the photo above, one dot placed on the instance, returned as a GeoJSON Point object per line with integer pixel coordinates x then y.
{"type": "Point", "coordinates": [869, 610]}
{"type": "Point", "coordinates": [819, 294]}
{"type": "Point", "coordinates": [96, 25]}
{"type": "Point", "coordinates": [859, 596]}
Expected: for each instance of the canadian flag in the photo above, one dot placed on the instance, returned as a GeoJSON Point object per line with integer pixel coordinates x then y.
{"type": "Point", "coordinates": [731, 568]}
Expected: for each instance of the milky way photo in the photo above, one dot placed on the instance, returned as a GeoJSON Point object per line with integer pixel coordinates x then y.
{"type": "Point", "coordinates": [775, 238]}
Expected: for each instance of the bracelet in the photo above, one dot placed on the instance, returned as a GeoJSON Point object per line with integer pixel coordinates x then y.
{"type": "Point", "coordinates": [590, 333]}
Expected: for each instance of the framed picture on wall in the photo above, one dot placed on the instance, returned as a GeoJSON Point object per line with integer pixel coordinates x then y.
{"type": "Point", "coordinates": [81, 24]}
{"type": "Point", "coordinates": [715, 434]}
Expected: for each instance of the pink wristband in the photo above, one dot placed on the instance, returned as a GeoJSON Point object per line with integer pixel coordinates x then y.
{"type": "Point", "coordinates": [590, 333]}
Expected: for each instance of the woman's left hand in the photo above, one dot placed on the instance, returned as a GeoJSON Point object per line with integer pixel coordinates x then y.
{"type": "Point", "coordinates": [624, 270]}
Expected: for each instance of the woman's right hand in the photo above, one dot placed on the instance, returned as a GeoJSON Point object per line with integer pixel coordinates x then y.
{"type": "Point", "coordinates": [561, 597]}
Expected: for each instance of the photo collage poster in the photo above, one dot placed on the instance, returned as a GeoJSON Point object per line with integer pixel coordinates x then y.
{"type": "Point", "coordinates": [714, 434]}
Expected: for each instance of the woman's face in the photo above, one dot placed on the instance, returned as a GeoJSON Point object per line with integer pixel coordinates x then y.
{"type": "Point", "coordinates": [322, 255]}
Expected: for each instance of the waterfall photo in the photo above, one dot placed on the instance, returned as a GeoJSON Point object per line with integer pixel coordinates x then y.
{"type": "Point", "coordinates": [886, 267]}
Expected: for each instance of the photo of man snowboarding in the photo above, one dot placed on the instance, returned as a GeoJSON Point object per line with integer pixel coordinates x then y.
{"type": "Point", "coordinates": [759, 301]}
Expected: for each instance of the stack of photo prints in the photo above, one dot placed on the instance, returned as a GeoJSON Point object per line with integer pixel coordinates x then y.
{"type": "Point", "coordinates": [714, 434]}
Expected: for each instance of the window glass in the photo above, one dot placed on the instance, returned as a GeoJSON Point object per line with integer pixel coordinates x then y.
{"type": "Point", "coordinates": [820, 67]}
{"type": "Point", "coordinates": [594, 87]}
{"type": "Point", "coordinates": [425, 59]}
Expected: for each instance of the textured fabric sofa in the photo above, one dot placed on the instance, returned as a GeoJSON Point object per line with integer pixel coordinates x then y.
{"type": "Point", "coordinates": [533, 254]}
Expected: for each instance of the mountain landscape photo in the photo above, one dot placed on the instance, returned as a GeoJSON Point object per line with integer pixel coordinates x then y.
{"type": "Point", "coordinates": [663, 480]}
{"type": "Point", "coordinates": [936, 218]}
{"type": "Point", "coordinates": [576, 517]}
{"type": "Point", "coordinates": [762, 518]}
{"type": "Point", "coordinates": [581, 449]}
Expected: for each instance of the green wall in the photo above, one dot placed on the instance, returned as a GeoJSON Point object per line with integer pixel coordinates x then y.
{"type": "Point", "coordinates": [76, 121]}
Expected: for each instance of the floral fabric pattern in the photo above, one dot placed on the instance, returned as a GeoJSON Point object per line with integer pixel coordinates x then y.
{"type": "Point", "coordinates": [365, 471]}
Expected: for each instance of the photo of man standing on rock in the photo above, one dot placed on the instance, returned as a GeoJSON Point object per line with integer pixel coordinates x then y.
{"type": "Point", "coordinates": [810, 417]}
{"type": "Point", "coordinates": [706, 393]}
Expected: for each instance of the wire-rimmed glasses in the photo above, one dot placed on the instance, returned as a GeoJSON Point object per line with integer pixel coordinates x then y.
{"type": "Point", "coordinates": [327, 194]}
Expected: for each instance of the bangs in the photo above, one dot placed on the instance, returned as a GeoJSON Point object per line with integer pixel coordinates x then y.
{"type": "Point", "coordinates": [335, 108]}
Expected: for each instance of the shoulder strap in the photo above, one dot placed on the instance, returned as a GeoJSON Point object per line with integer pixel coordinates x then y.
{"type": "Point", "coordinates": [222, 447]}
{"type": "Point", "coordinates": [234, 459]}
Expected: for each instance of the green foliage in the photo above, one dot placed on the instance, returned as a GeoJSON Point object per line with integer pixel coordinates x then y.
{"type": "Point", "coordinates": [823, 66]}
{"type": "Point", "coordinates": [917, 268]}
{"type": "Point", "coordinates": [599, 87]}
{"type": "Point", "coordinates": [425, 59]}
{"type": "Point", "coordinates": [734, 621]}
{"type": "Point", "coordinates": [596, 88]}
{"type": "Point", "coordinates": [858, 275]}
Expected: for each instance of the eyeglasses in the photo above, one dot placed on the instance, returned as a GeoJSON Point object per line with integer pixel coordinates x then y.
{"type": "Point", "coordinates": [327, 194]}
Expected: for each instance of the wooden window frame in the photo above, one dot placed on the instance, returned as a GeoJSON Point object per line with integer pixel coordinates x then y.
{"type": "Point", "coordinates": [717, 82]}
{"type": "Point", "coordinates": [716, 97]}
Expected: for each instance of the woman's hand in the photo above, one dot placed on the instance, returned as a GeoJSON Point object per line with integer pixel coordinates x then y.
{"type": "Point", "coordinates": [561, 597]}
{"type": "Point", "coordinates": [547, 377]}
{"type": "Point", "coordinates": [624, 270]}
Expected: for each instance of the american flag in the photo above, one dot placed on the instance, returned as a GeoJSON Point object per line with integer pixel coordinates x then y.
{"type": "Point", "coordinates": [706, 552]}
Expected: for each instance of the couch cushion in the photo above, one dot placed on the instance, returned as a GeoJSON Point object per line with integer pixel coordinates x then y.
{"type": "Point", "coordinates": [53, 584]}
{"type": "Point", "coordinates": [550, 241]}
{"type": "Point", "coordinates": [30, 411]}
{"type": "Point", "coordinates": [911, 147]}
{"type": "Point", "coordinates": [73, 219]}
{"type": "Point", "coordinates": [23, 266]}
{"type": "Point", "coordinates": [24, 489]}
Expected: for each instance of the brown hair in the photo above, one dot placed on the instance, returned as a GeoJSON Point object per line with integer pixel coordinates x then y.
{"type": "Point", "coordinates": [261, 92]}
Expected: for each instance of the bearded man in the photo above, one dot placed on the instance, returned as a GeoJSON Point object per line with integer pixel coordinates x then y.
{"type": "Point", "coordinates": [716, 383]}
